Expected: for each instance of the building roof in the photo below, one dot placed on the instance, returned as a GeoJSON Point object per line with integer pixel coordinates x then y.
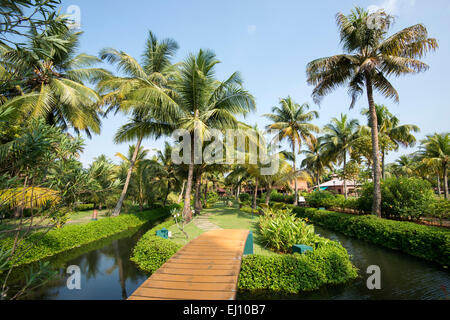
{"type": "Point", "coordinates": [335, 182]}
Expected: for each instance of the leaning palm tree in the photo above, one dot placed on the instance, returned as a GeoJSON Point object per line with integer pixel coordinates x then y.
{"type": "Point", "coordinates": [206, 103]}
{"type": "Point", "coordinates": [52, 82]}
{"type": "Point", "coordinates": [370, 57]}
{"type": "Point", "coordinates": [392, 134]}
{"type": "Point", "coordinates": [143, 92]}
{"type": "Point", "coordinates": [340, 136]}
{"type": "Point", "coordinates": [293, 122]}
{"type": "Point", "coordinates": [435, 150]}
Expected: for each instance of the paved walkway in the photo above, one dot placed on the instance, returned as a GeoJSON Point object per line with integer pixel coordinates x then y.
{"type": "Point", "coordinates": [202, 222]}
{"type": "Point", "coordinates": [207, 268]}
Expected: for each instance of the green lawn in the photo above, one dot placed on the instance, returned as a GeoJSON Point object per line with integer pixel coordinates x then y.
{"type": "Point", "coordinates": [226, 218]}
{"type": "Point", "coordinates": [76, 217]}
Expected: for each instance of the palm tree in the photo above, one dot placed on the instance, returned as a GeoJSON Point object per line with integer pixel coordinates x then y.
{"type": "Point", "coordinates": [293, 122]}
{"type": "Point", "coordinates": [52, 78]}
{"type": "Point", "coordinates": [340, 136]}
{"type": "Point", "coordinates": [392, 134]}
{"type": "Point", "coordinates": [136, 155]}
{"type": "Point", "coordinates": [144, 91]}
{"type": "Point", "coordinates": [315, 159]}
{"type": "Point", "coordinates": [205, 103]}
{"type": "Point", "coordinates": [370, 56]}
{"type": "Point", "coordinates": [404, 166]}
{"type": "Point", "coordinates": [435, 150]}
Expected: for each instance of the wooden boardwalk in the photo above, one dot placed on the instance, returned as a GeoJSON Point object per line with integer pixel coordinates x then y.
{"type": "Point", "coordinates": [207, 268]}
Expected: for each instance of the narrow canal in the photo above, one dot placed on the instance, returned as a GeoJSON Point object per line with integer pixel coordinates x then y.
{"type": "Point", "coordinates": [107, 273]}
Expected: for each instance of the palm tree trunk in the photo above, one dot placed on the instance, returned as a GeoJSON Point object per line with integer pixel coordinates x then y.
{"type": "Point", "coordinates": [439, 184]}
{"type": "Point", "coordinates": [187, 213]}
{"type": "Point", "coordinates": [255, 194]}
{"type": "Point", "coordinates": [197, 200]}
{"type": "Point", "coordinates": [127, 181]}
{"type": "Point", "coordinates": [205, 203]}
{"type": "Point", "coordinates": [182, 191]}
{"type": "Point", "coordinates": [345, 180]}
{"type": "Point", "coordinates": [445, 182]}
{"type": "Point", "coordinates": [376, 205]}
{"type": "Point", "coordinates": [295, 176]}
{"type": "Point", "coordinates": [268, 194]}
{"type": "Point", "coordinates": [238, 192]}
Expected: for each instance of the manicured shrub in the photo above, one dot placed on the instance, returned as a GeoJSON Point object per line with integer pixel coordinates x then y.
{"type": "Point", "coordinates": [41, 245]}
{"type": "Point", "coordinates": [151, 252]}
{"type": "Point", "coordinates": [212, 198]}
{"type": "Point", "coordinates": [290, 274]}
{"type": "Point", "coordinates": [401, 197]}
{"type": "Point", "coordinates": [430, 243]}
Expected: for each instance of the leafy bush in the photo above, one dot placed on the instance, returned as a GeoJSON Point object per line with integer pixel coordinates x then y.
{"type": "Point", "coordinates": [84, 207]}
{"type": "Point", "coordinates": [244, 197]}
{"type": "Point", "coordinates": [320, 198]}
{"type": "Point", "coordinates": [291, 274]}
{"type": "Point", "coordinates": [151, 252]}
{"type": "Point", "coordinates": [42, 245]}
{"type": "Point", "coordinates": [401, 197]}
{"type": "Point", "coordinates": [212, 198]}
{"type": "Point", "coordinates": [278, 197]}
{"type": "Point", "coordinates": [430, 243]}
{"type": "Point", "coordinates": [439, 209]}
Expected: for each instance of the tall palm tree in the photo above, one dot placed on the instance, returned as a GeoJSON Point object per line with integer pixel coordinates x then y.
{"type": "Point", "coordinates": [293, 122]}
{"type": "Point", "coordinates": [52, 81]}
{"type": "Point", "coordinates": [144, 92]}
{"type": "Point", "coordinates": [340, 136]}
{"type": "Point", "coordinates": [205, 103]}
{"type": "Point", "coordinates": [435, 150]}
{"type": "Point", "coordinates": [392, 134]}
{"type": "Point", "coordinates": [370, 57]}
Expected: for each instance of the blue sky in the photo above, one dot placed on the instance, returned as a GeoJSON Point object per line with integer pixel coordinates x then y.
{"type": "Point", "coordinates": [269, 42]}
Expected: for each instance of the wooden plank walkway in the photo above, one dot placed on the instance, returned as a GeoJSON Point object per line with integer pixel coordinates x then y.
{"type": "Point", "coordinates": [207, 268]}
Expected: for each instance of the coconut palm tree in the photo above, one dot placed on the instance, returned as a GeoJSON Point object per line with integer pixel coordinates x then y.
{"type": "Point", "coordinates": [435, 150]}
{"type": "Point", "coordinates": [52, 81]}
{"type": "Point", "coordinates": [293, 122]}
{"type": "Point", "coordinates": [144, 92]}
{"type": "Point", "coordinates": [340, 135]}
{"type": "Point", "coordinates": [206, 103]}
{"type": "Point", "coordinates": [370, 57]}
{"type": "Point", "coordinates": [404, 166]}
{"type": "Point", "coordinates": [392, 134]}
{"type": "Point", "coordinates": [315, 160]}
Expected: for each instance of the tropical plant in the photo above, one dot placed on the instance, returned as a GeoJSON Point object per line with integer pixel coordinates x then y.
{"type": "Point", "coordinates": [340, 135]}
{"type": "Point", "coordinates": [392, 134]}
{"type": "Point", "coordinates": [205, 103]}
{"type": "Point", "coordinates": [293, 123]}
{"type": "Point", "coordinates": [144, 92]}
{"type": "Point", "coordinates": [370, 57]}
{"type": "Point", "coordinates": [52, 81]}
{"type": "Point", "coordinates": [435, 150]}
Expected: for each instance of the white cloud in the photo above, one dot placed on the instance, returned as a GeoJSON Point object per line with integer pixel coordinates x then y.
{"type": "Point", "coordinates": [391, 6]}
{"type": "Point", "coordinates": [251, 29]}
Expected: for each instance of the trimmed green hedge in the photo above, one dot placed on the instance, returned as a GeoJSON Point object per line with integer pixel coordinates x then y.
{"type": "Point", "coordinates": [430, 243]}
{"type": "Point", "coordinates": [151, 252]}
{"type": "Point", "coordinates": [291, 274]}
{"type": "Point", "coordinates": [41, 245]}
